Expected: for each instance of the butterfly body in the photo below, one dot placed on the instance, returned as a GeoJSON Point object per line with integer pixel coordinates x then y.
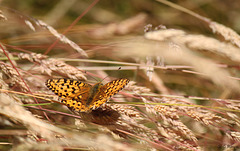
{"type": "Point", "coordinates": [83, 97]}
{"type": "Point", "coordinates": [93, 92]}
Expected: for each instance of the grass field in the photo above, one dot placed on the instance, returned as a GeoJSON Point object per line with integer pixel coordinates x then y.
{"type": "Point", "coordinates": [181, 57]}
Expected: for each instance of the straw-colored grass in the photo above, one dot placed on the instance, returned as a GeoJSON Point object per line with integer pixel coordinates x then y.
{"type": "Point", "coordinates": [183, 92]}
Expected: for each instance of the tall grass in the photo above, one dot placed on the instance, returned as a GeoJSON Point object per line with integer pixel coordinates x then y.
{"type": "Point", "coordinates": [183, 93]}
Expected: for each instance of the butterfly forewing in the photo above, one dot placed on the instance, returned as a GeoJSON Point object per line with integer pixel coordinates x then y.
{"type": "Point", "coordinates": [68, 88]}
{"type": "Point", "coordinates": [107, 91]}
{"type": "Point", "coordinates": [71, 91]}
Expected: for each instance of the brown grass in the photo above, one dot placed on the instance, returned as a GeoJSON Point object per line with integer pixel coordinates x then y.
{"type": "Point", "coordinates": [183, 93]}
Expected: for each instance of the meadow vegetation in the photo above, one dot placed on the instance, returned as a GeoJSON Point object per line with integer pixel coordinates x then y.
{"type": "Point", "coordinates": [182, 59]}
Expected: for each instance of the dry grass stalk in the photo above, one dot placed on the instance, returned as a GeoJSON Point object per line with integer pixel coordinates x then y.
{"type": "Point", "coordinates": [121, 117]}
{"type": "Point", "coordinates": [61, 37]}
{"type": "Point", "coordinates": [13, 76]}
{"type": "Point", "coordinates": [63, 68]}
{"type": "Point", "coordinates": [122, 28]}
{"type": "Point", "coordinates": [173, 138]}
{"type": "Point", "coordinates": [12, 110]}
{"type": "Point", "coordinates": [50, 65]}
{"type": "Point", "coordinates": [33, 57]}
{"type": "Point", "coordinates": [167, 111]}
{"type": "Point", "coordinates": [150, 68]}
{"type": "Point", "coordinates": [196, 42]}
{"type": "Point", "coordinates": [231, 105]}
{"type": "Point", "coordinates": [159, 84]}
{"type": "Point", "coordinates": [170, 116]}
{"type": "Point", "coordinates": [235, 119]}
{"type": "Point", "coordinates": [234, 136]}
{"type": "Point", "coordinates": [2, 16]}
{"type": "Point", "coordinates": [136, 89]}
{"type": "Point", "coordinates": [228, 34]}
{"type": "Point", "coordinates": [30, 145]}
{"type": "Point", "coordinates": [177, 130]}
{"type": "Point", "coordinates": [131, 24]}
{"type": "Point", "coordinates": [2, 54]}
{"type": "Point", "coordinates": [177, 52]}
{"type": "Point", "coordinates": [204, 116]}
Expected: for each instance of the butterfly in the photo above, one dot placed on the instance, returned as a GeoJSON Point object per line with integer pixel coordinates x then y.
{"type": "Point", "coordinates": [83, 97]}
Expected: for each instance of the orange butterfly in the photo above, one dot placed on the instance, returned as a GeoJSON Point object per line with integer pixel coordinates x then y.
{"type": "Point", "coordinates": [84, 97]}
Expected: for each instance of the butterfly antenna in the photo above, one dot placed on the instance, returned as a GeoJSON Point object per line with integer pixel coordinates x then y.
{"type": "Point", "coordinates": [108, 75]}
{"type": "Point", "coordinates": [90, 75]}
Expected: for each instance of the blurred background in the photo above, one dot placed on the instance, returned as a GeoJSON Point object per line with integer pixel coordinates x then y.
{"type": "Point", "coordinates": [107, 25]}
{"type": "Point", "coordinates": [60, 14]}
